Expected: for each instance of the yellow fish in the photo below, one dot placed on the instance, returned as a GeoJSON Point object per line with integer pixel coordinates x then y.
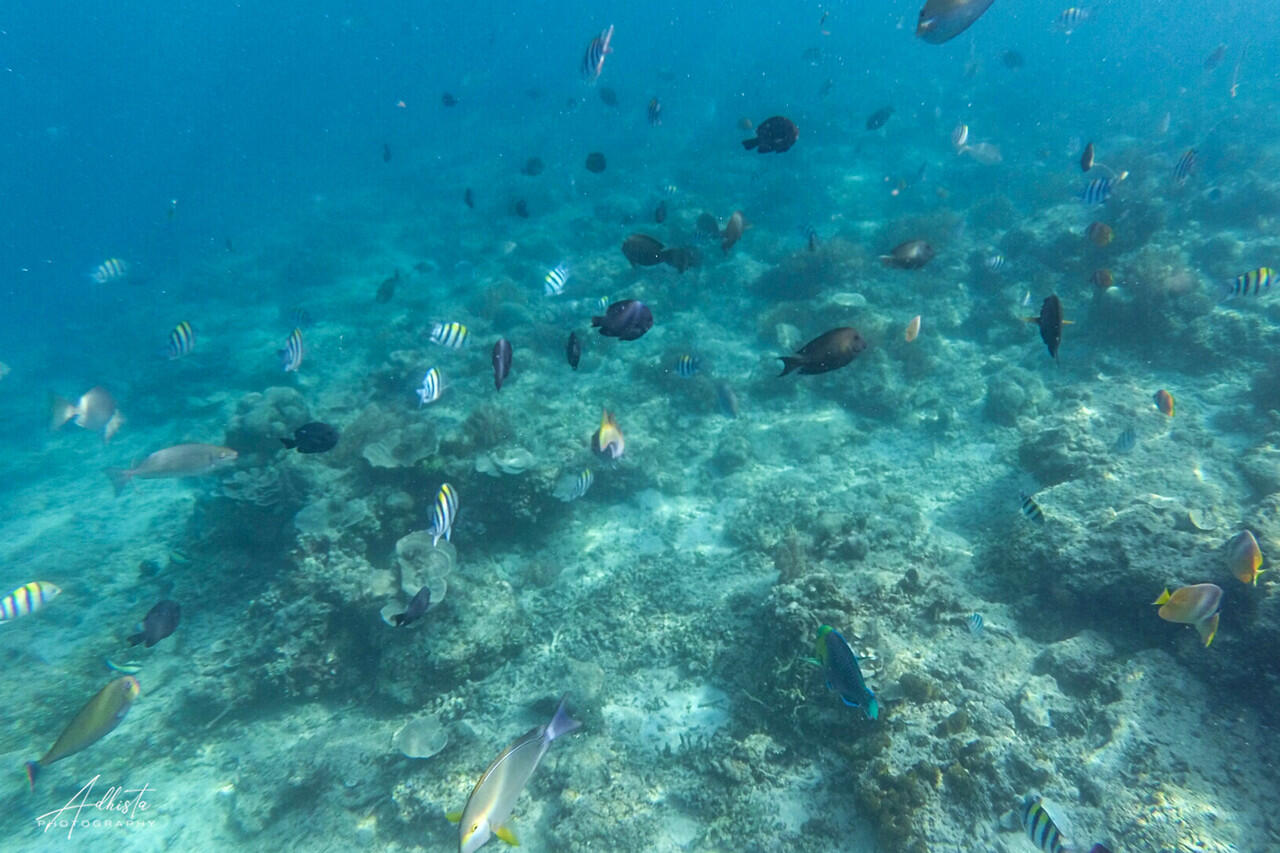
{"type": "Point", "coordinates": [1193, 605]}
{"type": "Point", "coordinates": [1244, 557]}
{"type": "Point", "coordinates": [96, 719]}
{"type": "Point", "coordinates": [608, 441]}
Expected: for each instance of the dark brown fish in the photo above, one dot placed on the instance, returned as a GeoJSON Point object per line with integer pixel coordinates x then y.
{"type": "Point", "coordinates": [682, 257]}
{"type": "Point", "coordinates": [643, 251]}
{"type": "Point", "coordinates": [660, 213]}
{"type": "Point", "coordinates": [522, 209]}
{"type": "Point", "coordinates": [828, 351]}
{"type": "Point", "coordinates": [943, 20]}
{"type": "Point", "coordinates": [1214, 59]}
{"type": "Point", "coordinates": [876, 120]}
{"type": "Point", "coordinates": [627, 320]}
{"type": "Point", "coordinates": [386, 153]}
{"type": "Point", "coordinates": [733, 231]}
{"type": "Point", "coordinates": [595, 162]}
{"type": "Point", "coordinates": [911, 255]}
{"type": "Point", "coordinates": [774, 134]}
{"type": "Point", "coordinates": [609, 96]}
{"type": "Point", "coordinates": [573, 350]}
{"type": "Point", "coordinates": [501, 362]}
{"type": "Point", "coordinates": [387, 289]}
{"type": "Point", "coordinates": [1012, 59]}
{"type": "Point", "coordinates": [448, 100]}
{"type": "Point", "coordinates": [1050, 322]}
{"type": "Point", "coordinates": [468, 199]}
{"type": "Point", "coordinates": [533, 166]}
{"type": "Point", "coordinates": [1086, 159]}
{"type": "Point", "coordinates": [707, 226]}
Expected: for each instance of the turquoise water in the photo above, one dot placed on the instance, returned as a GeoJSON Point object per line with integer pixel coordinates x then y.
{"type": "Point", "coordinates": [261, 169]}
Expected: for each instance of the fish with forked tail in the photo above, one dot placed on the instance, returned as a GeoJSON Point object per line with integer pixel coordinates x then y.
{"type": "Point", "coordinates": [828, 351]}
{"type": "Point", "coordinates": [95, 721]}
{"type": "Point", "coordinates": [181, 460]}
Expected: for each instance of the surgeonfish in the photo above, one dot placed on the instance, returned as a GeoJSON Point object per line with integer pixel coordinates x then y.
{"type": "Point", "coordinates": [95, 410]}
{"type": "Point", "coordinates": [1164, 402]}
{"type": "Point", "coordinates": [570, 487]}
{"type": "Point", "coordinates": [943, 20]}
{"type": "Point", "coordinates": [1050, 322]}
{"type": "Point", "coordinates": [417, 608]}
{"type": "Point", "coordinates": [443, 513]}
{"type": "Point", "coordinates": [181, 341]}
{"type": "Point", "coordinates": [451, 335]}
{"type": "Point", "coordinates": [501, 362]}
{"type": "Point", "coordinates": [495, 793]}
{"type": "Point", "coordinates": [829, 351]}
{"type": "Point", "coordinates": [1031, 509]}
{"type": "Point", "coordinates": [608, 441]}
{"type": "Point", "coordinates": [840, 668]}
{"type": "Point", "coordinates": [291, 356]}
{"type": "Point", "coordinates": [555, 280]}
{"type": "Point", "coordinates": [911, 255]}
{"type": "Point", "coordinates": [160, 621]}
{"type": "Point", "coordinates": [96, 719]}
{"type": "Point", "coordinates": [112, 269]}
{"type": "Point", "coordinates": [775, 134]}
{"type": "Point", "coordinates": [626, 320]}
{"type": "Point", "coordinates": [27, 598]}
{"type": "Point", "coordinates": [593, 58]}
{"type": "Point", "coordinates": [1251, 283]}
{"type": "Point", "coordinates": [432, 387]}
{"type": "Point", "coordinates": [1244, 557]}
{"type": "Point", "coordinates": [1193, 605]}
{"type": "Point", "coordinates": [181, 460]}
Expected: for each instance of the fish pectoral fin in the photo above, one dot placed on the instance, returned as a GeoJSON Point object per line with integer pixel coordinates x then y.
{"type": "Point", "coordinates": [505, 833]}
{"type": "Point", "coordinates": [453, 817]}
{"type": "Point", "coordinates": [845, 700]}
{"type": "Point", "coordinates": [1068, 322]}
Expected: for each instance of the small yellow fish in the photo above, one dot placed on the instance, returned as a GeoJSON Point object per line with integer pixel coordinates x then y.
{"type": "Point", "coordinates": [1244, 557]}
{"type": "Point", "coordinates": [96, 719]}
{"type": "Point", "coordinates": [1193, 605]}
{"type": "Point", "coordinates": [608, 441]}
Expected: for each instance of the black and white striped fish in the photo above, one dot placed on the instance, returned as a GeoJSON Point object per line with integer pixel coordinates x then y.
{"type": "Point", "coordinates": [181, 341]}
{"type": "Point", "coordinates": [27, 598]}
{"type": "Point", "coordinates": [571, 487]}
{"type": "Point", "coordinates": [1185, 166]}
{"type": "Point", "coordinates": [597, 50]}
{"type": "Point", "coordinates": [975, 623]}
{"type": "Point", "coordinates": [1071, 18]}
{"type": "Point", "coordinates": [1125, 441]}
{"type": "Point", "coordinates": [1031, 509]}
{"type": "Point", "coordinates": [1099, 190]}
{"type": "Point", "coordinates": [432, 387]}
{"type": "Point", "coordinates": [443, 513]}
{"type": "Point", "coordinates": [291, 355]}
{"type": "Point", "coordinates": [1251, 283]}
{"type": "Point", "coordinates": [1041, 829]}
{"type": "Point", "coordinates": [451, 335]}
{"type": "Point", "coordinates": [555, 280]}
{"type": "Point", "coordinates": [112, 269]}
{"type": "Point", "coordinates": [687, 366]}
{"type": "Point", "coordinates": [994, 263]}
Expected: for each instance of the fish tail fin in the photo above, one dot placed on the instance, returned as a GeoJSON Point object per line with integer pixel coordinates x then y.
{"type": "Point", "coordinates": [1208, 629]}
{"type": "Point", "coordinates": [33, 770]}
{"type": "Point", "coordinates": [750, 143]}
{"type": "Point", "coordinates": [790, 363]}
{"type": "Point", "coordinates": [119, 478]}
{"type": "Point", "coordinates": [596, 321]}
{"type": "Point", "coordinates": [61, 410]}
{"type": "Point", "coordinates": [561, 723]}
{"type": "Point", "coordinates": [1164, 596]}
{"type": "Point", "coordinates": [134, 639]}
{"type": "Point", "coordinates": [873, 707]}
{"type": "Point", "coordinates": [289, 443]}
{"type": "Point", "coordinates": [1226, 290]}
{"type": "Point", "coordinates": [399, 619]}
{"type": "Point", "coordinates": [1035, 320]}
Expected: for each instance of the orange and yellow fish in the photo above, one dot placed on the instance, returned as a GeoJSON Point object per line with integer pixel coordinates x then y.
{"type": "Point", "coordinates": [1164, 402]}
{"type": "Point", "coordinates": [1193, 605]}
{"type": "Point", "coordinates": [1244, 557]}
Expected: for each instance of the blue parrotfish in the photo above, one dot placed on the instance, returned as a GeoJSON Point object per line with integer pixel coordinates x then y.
{"type": "Point", "coordinates": [840, 668]}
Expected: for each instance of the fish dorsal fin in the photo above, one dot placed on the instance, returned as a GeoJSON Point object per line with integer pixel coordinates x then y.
{"type": "Point", "coordinates": [505, 833]}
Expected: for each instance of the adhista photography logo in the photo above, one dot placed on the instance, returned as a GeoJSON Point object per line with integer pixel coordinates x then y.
{"type": "Point", "coordinates": [118, 808]}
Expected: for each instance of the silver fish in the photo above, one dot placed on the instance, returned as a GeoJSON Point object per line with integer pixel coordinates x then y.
{"type": "Point", "coordinates": [181, 460]}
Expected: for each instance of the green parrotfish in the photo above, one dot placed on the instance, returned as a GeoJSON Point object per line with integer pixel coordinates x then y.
{"type": "Point", "coordinates": [840, 667]}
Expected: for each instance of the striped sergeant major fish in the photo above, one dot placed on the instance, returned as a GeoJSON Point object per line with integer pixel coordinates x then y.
{"type": "Point", "coordinates": [451, 335]}
{"type": "Point", "coordinates": [555, 280]}
{"type": "Point", "coordinates": [1185, 166]}
{"type": "Point", "coordinates": [687, 366]}
{"type": "Point", "coordinates": [593, 58]}
{"type": "Point", "coordinates": [571, 487]}
{"type": "Point", "coordinates": [1071, 18]}
{"type": "Point", "coordinates": [1044, 833]}
{"type": "Point", "coordinates": [1251, 283]}
{"type": "Point", "coordinates": [975, 623]}
{"type": "Point", "coordinates": [112, 269]}
{"type": "Point", "coordinates": [443, 513]}
{"type": "Point", "coordinates": [432, 387]}
{"type": "Point", "coordinates": [291, 355]}
{"type": "Point", "coordinates": [181, 341]}
{"type": "Point", "coordinates": [1031, 509]}
{"type": "Point", "coordinates": [27, 598]}
{"type": "Point", "coordinates": [1100, 189]}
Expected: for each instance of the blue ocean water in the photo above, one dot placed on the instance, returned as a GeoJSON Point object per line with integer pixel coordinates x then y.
{"type": "Point", "coordinates": [261, 167]}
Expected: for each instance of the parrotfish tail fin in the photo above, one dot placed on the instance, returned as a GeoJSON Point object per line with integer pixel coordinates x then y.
{"type": "Point", "coordinates": [60, 411]}
{"type": "Point", "coordinates": [505, 833]}
{"type": "Point", "coordinates": [134, 639]}
{"type": "Point", "coordinates": [750, 143]}
{"type": "Point", "coordinates": [872, 707]}
{"type": "Point", "coordinates": [790, 363]}
{"type": "Point", "coordinates": [561, 723]}
{"type": "Point", "coordinates": [119, 478]}
{"type": "Point", "coordinates": [399, 618]}
{"type": "Point", "coordinates": [33, 770]}
{"type": "Point", "coordinates": [453, 817]}
{"type": "Point", "coordinates": [1208, 629]}
{"type": "Point", "coordinates": [1164, 596]}
{"type": "Point", "coordinates": [289, 443]}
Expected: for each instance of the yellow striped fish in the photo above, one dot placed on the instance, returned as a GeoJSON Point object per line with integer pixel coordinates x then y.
{"type": "Point", "coordinates": [451, 335]}
{"type": "Point", "coordinates": [27, 598]}
{"type": "Point", "coordinates": [96, 719]}
{"type": "Point", "coordinates": [291, 355]}
{"type": "Point", "coordinates": [181, 340]}
{"type": "Point", "coordinates": [443, 513]}
{"type": "Point", "coordinates": [112, 269]}
{"type": "Point", "coordinates": [1253, 282]}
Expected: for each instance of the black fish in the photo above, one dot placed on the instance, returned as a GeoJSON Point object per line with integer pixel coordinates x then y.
{"type": "Point", "coordinates": [943, 20]}
{"type": "Point", "coordinates": [774, 134]}
{"type": "Point", "coordinates": [468, 199]}
{"type": "Point", "coordinates": [315, 437]}
{"type": "Point", "coordinates": [682, 257]}
{"type": "Point", "coordinates": [522, 209]}
{"type": "Point", "coordinates": [1012, 59]}
{"type": "Point", "coordinates": [609, 96]}
{"type": "Point", "coordinates": [627, 320]}
{"type": "Point", "coordinates": [448, 100]}
{"type": "Point", "coordinates": [386, 153]}
{"type": "Point", "coordinates": [533, 166]}
{"type": "Point", "coordinates": [828, 351]}
{"type": "Point", "coordinates": [501, 361]}
{"type": "Point", "coordinates": [911, 255]}
{"type": "Point", "coordinates": [1214, 59]}
{"type": "Point", "coordinates": [417, 607]}
{"type": "Point", "coordinates": [1086, 158]}
{"type": "Point", "coordinates": [595, 162]}
{"type": "Point", "coordinates": [660, 212]}
{"type": "Point", "coordinates": [707, 226]}
{"type": "Point", "coordinates": [387, 289]}
{"type": "Point", "coordinates": [876, 120]}
{"type": "Point", "coordinates": [642, 250]}
{"type": "Point", "coordinates": [1050, 322]}
{"type": "Point", "coordinates": [159, 623]}
{"type": "Point", "coordinates": [573, 350]}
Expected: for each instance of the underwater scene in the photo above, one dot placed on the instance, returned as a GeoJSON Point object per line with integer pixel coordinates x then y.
{"type": "Point", "coordinates": [640, 427]}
